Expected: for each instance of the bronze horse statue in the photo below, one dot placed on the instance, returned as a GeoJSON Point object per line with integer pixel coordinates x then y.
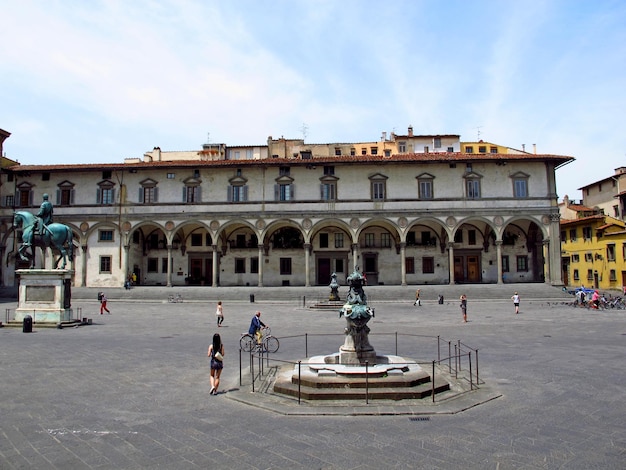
{"type": "Point", "coordinates": [54, 235]}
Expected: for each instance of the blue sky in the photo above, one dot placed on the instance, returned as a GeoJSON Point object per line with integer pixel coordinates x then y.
{"type": "Point", "coordinates": [100, 81]}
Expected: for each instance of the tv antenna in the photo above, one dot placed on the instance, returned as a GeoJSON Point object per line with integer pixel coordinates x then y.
{"type": "Point", "coordinates": [208, 137]}
{"type": "Point", "coordinates": [478, 132]}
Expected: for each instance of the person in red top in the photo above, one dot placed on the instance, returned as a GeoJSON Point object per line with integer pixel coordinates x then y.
{"type": "Point", "coordinates": [103, 303]}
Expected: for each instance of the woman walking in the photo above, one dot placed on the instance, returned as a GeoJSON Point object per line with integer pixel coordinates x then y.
{"type": "Point", "coordinates": [216, 353]}
{"type": "Point", "coordinates": [464, 307]}
{"type": "Point", "coordinates": [219, 313]}
{"type": "Point", "coordinates": [515, 299]}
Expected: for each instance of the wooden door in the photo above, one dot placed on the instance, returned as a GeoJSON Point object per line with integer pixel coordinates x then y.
{"type": "Point", "coordinates": [459, 272]}
{"type": "Point", "coordinates": [323, 271]}
{"type": "Point", "coordinates": [473, 269]}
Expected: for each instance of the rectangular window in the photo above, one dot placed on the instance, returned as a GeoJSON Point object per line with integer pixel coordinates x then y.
{"type": "Point", "coordinates": [473, 189]}
{"type": "Point", "coordinates": [428, 265]}
{"type": "Point", "coordinates": [437, 142]}
{"type": "Point", "coordinates": [192, 194]}
{"type": "Point", "coordinates": [240, 265]}
{"type": "Point", "coordinates": [471, 237]}
{"type": "Point", "coordinates": [254, 265]}
{"type": "Point", "coordinates": [328, 192]}
{"type": "Point", "coordinates": [352, 152]}
{"type": "Point", "coordinates": [576, 275]}
{"type": "Point", "coordinates": [563, 236]}
{"type": "Point", "coordinates": [285, 192]}
{"type": "Point", "coordinates": [402, 147]}
{"type": "Point", "coordinates": [522, 263]}
{"type": "Point", "coordinates": [589, 257]}
{"type": "Point", "coordinates": [171, 176]}
{"type": "Point", "coordinates": [469, 149]}
{"type": "Point", "coordinates": [105, 235]}
{"type": "Point", "coordinates": [590, 274]}
{"type": "Point", "coordinates": [240, 240]}
{"type": "Point", "coordinates": [339, 240]}
{"type": "Point", "coordinates": [575, 258]}
{"type": "Point", "coordinates": [238, 194]}
{"type": "Point", "coordinates": [450, 149]}
{"type": "Point", "coordinates": [426, 149]}
{"type": "Point", "coordinates": [149, 195]}
{"type": "Point", "coordinates": [338, 265]}
{"type": "Point", "coordinates": [337, 151]}
{"type": "Point", "coordinates": [370, 240]}
{"type": "Point", "coordinates": [249, 154]}
{"type": "Point", "coordinates": [520, 188]}
{"type": "Point", "coordinates": [624, 251]}
{"type": "Point", "coordinates": [458, 236]}
{"type": "Point", "coordinates": [363, 151]}
{"type": "Point", "coordinates": [153, 265]}
{"type": "Point", "coordinates": [385, 240]}
{"type": "Point", "coordinates": [164, 264]}
{"type": "Point", "coordinates": [105, 265]}
{"type": "Point", "coordinates": [329, 170]}
{"type": "Point", "coordinates": [493, 149]}
{"type": "Point", "coordinates": [612, 275]}
{"type": "Point", "coordinates": [106, 196]}
{"type": "Point", "coordinates": [65, 198]}
{"type": "Point", "coordinates": [378, 190]}
{"type": "Point", "coordinates": [427, 239]}
{"type": "Point", "coordinates": [610, 252]}
{"type": "Point", "coordinates": [572, 234]}
{"type": "Point", "coordinates": [8, 201]}
{"type": "Point", "coordinates": [323, 240]}
{"type": "Point", "coordinates": [374, 150]}
{"type": "Point", "coordinates": [425, 189]}
{"type": "Point", "coordinates": [409, 264]}
{"type": "Point", "coordinates": [284, 171]}
{"type": "Point", "coordinates": [505, 264]}
{"type": "Point", "coordinates": [196, 239]}
{"type": "Point", "coordinates": [482, 149]}
{"type": "Point", "coordinates": [587, 233]}
{"type": "Point", "coordinates": [285, 265]}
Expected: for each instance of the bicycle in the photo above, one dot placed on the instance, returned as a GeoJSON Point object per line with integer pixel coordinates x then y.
{"type": "Point", "coordinates": [175, 298]}
{"type": "Point", "coordinates": [268, 342]}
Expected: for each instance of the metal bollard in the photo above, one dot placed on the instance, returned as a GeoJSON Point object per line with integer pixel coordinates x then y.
{"type": "Point", "coordinates": [27, 324]}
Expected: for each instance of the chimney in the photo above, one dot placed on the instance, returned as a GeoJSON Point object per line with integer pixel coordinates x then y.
{"type": "Point", "coordinates": [523, 147]}
{"type": "Point", "coordinates": [410, 131]}
{"type": "Point", "coordinates": [535, 149]}
{"type": "Point", "coordinates": [384, 136]}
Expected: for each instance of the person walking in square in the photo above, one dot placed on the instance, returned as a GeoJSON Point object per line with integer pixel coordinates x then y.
{"type": "Point", "coordinates": [216, 353]}
{"type": "Point", "coordinates": [464, 307]}
{"type": "Point", "coordinates": [103, 303]}
{"type": "Point", "coordinates": [515, 299]}
{"type": "Point", "coordinates": [219, 313]}
{"type": "Point", "coordinates": [417, 302]}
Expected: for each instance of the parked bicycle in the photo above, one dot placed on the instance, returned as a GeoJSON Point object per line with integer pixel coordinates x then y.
{"type": "Point", "coordinates": [268, 342]}
{"type": "Point", "coordinates": [175, 298]}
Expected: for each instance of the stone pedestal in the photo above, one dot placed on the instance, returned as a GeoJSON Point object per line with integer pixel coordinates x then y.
{"type": "Point", "coordinates": [45, 295]}
{"type": "Point", "coordinates": [356, 349]}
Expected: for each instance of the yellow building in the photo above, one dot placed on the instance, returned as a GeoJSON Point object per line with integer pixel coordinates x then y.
{"type": "Point", "coordinates": [593, 248]}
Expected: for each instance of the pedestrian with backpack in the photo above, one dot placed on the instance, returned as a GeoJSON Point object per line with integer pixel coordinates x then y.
{"type": "Point", "coordinates": [103, 303]}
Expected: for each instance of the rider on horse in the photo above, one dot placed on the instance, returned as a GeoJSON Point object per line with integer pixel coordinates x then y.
{"type": "Point", "coordinates": [45, 215]}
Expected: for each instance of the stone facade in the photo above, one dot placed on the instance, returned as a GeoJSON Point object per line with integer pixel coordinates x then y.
{"type": "Point", "coordinates": [296, 216]}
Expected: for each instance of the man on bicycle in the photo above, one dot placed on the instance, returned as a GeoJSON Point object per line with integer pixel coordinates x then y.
{"type": "Point", "coordinates": [255, 327]}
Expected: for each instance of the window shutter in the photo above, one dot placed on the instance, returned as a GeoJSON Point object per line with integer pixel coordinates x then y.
{"type": "Point", "coordinates": [184, 193]}
{"type": "Point", "coordinates": [322, 191]}
{"type": "Point", "coordinates": [72, 196]}
{"type": "Point", "coordinates": [277, 192]}
{"type": "Point", "coordinates": [98, 196]}
{"type": "Point", "coordinates": [140, 197]}
{"type": "Point", "coordinates": [292, 192]}
{"type": "Point", "coordinates": [198, 194]}
{"type": "Point", "coordinates": [58, 197]}
{"type": "Point", "coordinates": [30, 198]}
{"type": "Point", "coordinates": [112, 195]}
{"type": "Point", "coordinates": [229, 194]}
{"type": "Point", "coordinates": [245, 192]}
{"type": "Point", "coordinates": [156, 194]}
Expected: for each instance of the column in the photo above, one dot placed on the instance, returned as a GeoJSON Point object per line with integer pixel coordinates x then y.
{"type": "Point", "coordinates": [403, 263]}
{"type": "Point", "coordinates": [83, 267]}
{"type": "Point", "coordinates": [307, 262]}
{"type": "Point", "coordinates": [451, 261]}
{"type": "Point", "coordinates": [169, 265]}
{"type": "Point", "coordinates": [355, 254]}
{"type": "Point", "coordinates": [553, 260]}
{"type": "Point", "coordinates": [214, 266]}
{"type": "Point", "coordinates": [545, 248]}
{"type": "Point", "coordinates": [125, 255]}
{"type": "Point", "coordinates": [261, 262]}
{"type": "Point", "coordinates": [499, 260]}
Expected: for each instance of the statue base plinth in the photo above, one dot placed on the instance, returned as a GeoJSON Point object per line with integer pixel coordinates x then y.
{"type": "Point", "coordinates": [356, 358]}
{"type": "Point", "coordinates": [45, 295]}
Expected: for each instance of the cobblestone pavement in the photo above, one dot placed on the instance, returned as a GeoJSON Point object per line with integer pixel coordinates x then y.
{"type": "Point", "coordinates": [130, 391]}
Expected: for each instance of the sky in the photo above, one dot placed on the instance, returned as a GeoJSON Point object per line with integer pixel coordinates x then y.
{"type": "Point", "coordinates": [90, 81]}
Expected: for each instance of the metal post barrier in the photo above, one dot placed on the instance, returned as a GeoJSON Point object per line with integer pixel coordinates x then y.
{"type": "Point", "coordinates": [252, 369]}
{"type": "Point", "coordinates": [438, 350]}
{"type": "Point", "coordinates": [469, 354]}
{"type": "Point", "coordinates": [306, 345]}
{"type": "Point", "coordinates": [456, 362]}
{"type": "Point", "coordinates": [303, 301]}
{"type": "Point", "coordinates": [240, 366]}
{"type": "Point", "coordinates": [459, 343]}
{"type": "Point", "coordinates": [367, 383]}
{"type": "Point", "coordinates": [396, 343]}
{"type": "Point", "coordinates": [449, 357]}
{"type": "Point", "coordinates": [433, 381]}
{"type": "Point", "coordinates": [476, 359]}
{"type": "Point", "coordinates": [299, 380]}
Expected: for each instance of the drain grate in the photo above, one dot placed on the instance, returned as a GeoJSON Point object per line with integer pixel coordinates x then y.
{"type": "Point", "coordinates": [419, 418]}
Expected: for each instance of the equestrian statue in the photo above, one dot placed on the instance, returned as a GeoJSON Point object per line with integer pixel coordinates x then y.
{"type": "Point", "coordinates": [40, 230]}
